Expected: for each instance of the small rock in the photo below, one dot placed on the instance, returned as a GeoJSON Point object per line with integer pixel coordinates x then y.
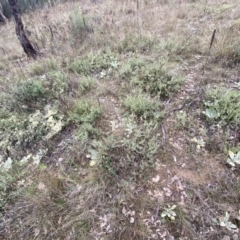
{"type": "Point", "coordinates": [226, 238]}
{"type": "Point", "coordinates": [131, 220]}
{"type": "Point", "coordinates": [41, 187]}
{"type": "Point", "coordinates": [235, 237]}
{"type": "Point", "coordinates": [170, 237]}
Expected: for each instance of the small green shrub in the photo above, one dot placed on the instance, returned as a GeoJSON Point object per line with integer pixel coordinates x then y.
{"type": "Point", "coordinates": [182, 120]}
{"type": "Point", "coordinates": [4, 114]}
{"type": "Point", "coordinates": [85, 132]}
{"type": "Point", "coordinates": [130, 155]}
{"type": "Point", "coordinates": [84, 111]}
{"type": "Point", "coordinates": [157, 80]}
{"type": "Point", "coordinates": [35, 92]}
{"type": "Point", "coordinates": [233, 158]}
{"type": "Point", "coordinates": [86, 84]}
{"type": "Point", "coordinates": [222, 106]}
{"type": "Point", "coordinates": [40, 68]}
{"type": "Point", "coordinates": [153, 78]}
{"type": "Point", "coordinates": [84, 114]}
{"type": "Point", "coordinates": [93, 63]}
{"type": "Point", "coordinates": [30, 93]}
{"type": "Point", "coordinates": [141, 104]}
{"type": "Point", "coordinates": [57, 83]}
{"type": "Point", "coordinates": [169, 212]}
{"type": "Point", "coordinates": [37, 69]}
{"type": "Point", "coordinates": [9, 175]}
{"type": "Point", "coordinates": [137, 43]}
{"type": "Point", "coordinates": [131, 68]}
{"type": "Point", "coordinates": [51, 64]}
{"type": "Point", "coordinates": [178, 48]}
{"type": "Point", "coordinates": [8, 121]}
{"type": "Point", "coordinates": [81, 66]}
{"type": "Point", "coordinates": [22, 131]}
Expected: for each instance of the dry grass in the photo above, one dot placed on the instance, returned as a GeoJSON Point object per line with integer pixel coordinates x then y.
{"type": "Point", "coordinates": [109, 169]}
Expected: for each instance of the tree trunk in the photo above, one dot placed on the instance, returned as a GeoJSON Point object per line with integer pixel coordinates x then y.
{"type": "Point", "coordinates": [2, 17]}
{"type": "Point", "coordinates": [26, 44]}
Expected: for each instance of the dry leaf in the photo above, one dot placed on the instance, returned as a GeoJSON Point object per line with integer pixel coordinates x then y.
{"type": "Point", "coordinates": [156, 179]}
{"type": "Point", "coordinates": [124, 211]}
{"type": "Point", "coordinates": [41, 187]}
{"type": "Point", "coordinates": [167, 191]}
{"type": "Point", "coordinates": [92, 163]}
{"type": "Point", "coordinates": [132, 213]}
{"type": "Point", "coordinates": [36, 232]}
{"type": "Point", "coordinates": [45, 230]}
{"type": "Point", "coordinates": [60, 220]}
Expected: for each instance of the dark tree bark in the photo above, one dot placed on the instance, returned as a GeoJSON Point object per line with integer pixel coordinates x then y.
{"type": "Point", "coordinates": [2, 17]}
{"type": "Point", "coordinates": [26, 44]}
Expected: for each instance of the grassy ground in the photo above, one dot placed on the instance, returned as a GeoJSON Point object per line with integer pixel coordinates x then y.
{"type": "Point", "coordinates": [126, 126]}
